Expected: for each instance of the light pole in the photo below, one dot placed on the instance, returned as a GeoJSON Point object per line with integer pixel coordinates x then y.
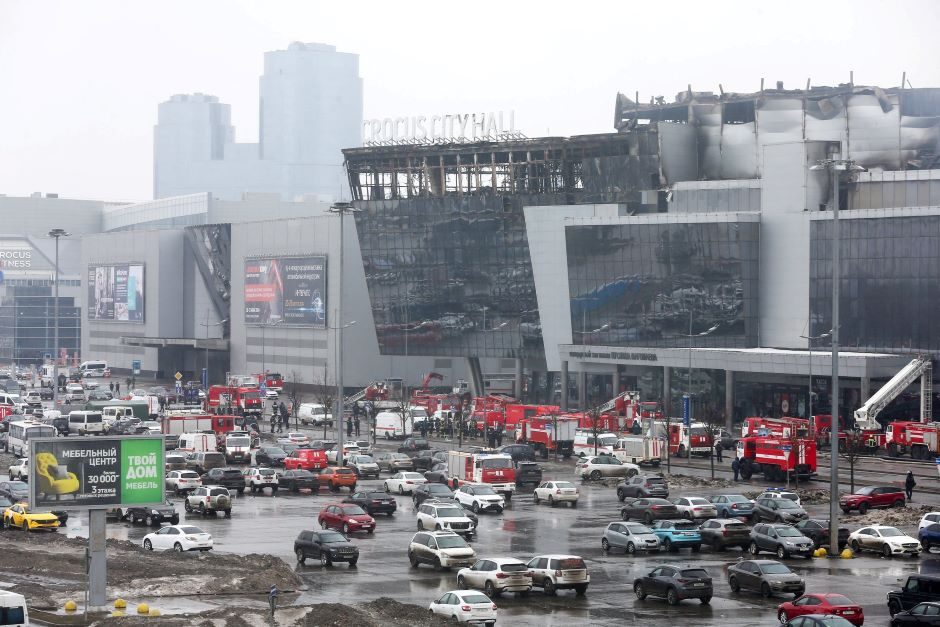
{"type": "Point", "coordinates": [56, 233]}
{"type": "Point", "coordinates": [692, 336]}
{"type": "Point", "coordinates": [341, 209]}
{"type": "Point", "coordinates": [809, 344]}
{"type": "Point", "coordinates": [835, 167]}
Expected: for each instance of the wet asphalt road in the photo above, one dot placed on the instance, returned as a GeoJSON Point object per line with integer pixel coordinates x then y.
{"type": "Point", "coordinates": [269, 524]}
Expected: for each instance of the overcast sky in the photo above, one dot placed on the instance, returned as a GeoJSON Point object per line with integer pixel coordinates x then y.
{"type": "Point", "coordinates": [80, 80]}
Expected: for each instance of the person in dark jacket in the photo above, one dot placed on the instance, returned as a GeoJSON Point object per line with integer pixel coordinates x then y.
{"type": "Point", "coordinates": [718, 451]}
{"type": "Point", "coordinates": [735, 467]}
{"type": "Point", "coordinates": [909, 485]}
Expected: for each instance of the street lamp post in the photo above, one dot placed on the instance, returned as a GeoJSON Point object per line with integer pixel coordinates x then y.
{"type": "Point", "coordinates": [691, 336]}
{"type": "Point", "coordinates": [809, 344]}
{"type": "Point", "coordinates": [341, 209]}
{"type": "Point", "coordinates": [56, 233]}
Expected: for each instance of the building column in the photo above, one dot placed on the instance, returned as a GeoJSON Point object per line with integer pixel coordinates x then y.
{"type": "Point", "coordinates": [564, 386]}
{"type": "Point", "coordinates": [729, 400]}
{"type": "Point", "coordinates": [667, 390]}
{"type": "Point", "coordinates": [864, 390]}
{"type": "Point", "coordinates": [518, 384]}
{"type": "Point", "coordinates": [582, 389]}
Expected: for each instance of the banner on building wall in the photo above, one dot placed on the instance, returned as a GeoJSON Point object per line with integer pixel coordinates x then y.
{"type": "Point", "coordinates": [116, 293]}
{"type": "Point", "coordinates": [286, 290]}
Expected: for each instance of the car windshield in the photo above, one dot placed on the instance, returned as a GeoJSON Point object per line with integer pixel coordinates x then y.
{"type": "Point", "coordinates": [838, 599]}
{"type": "Point", "coordinates": [889, 532]}
{"type": "Point", "coordinates": [698, 501]}
{"type": "Point", "coordinates": [378, 495]}
{"type": "Point", "coordinates": [189, 529]}
{"type": "Point", "coordinates": [412, 475]}
{"type": "Point", "coordinates": [790, 496]}
{"type": "Point", "coordinates": [571, 563]}
{"type": "Point", "coordinates": [513, 568]}
{"type": "Point", "coordinates": [364, 459]}
{"type": "Point", "coordinates": [189, 474]}
{"type": "Point", "coordinates": [302, 473]}
{"type": "Point", "coordinates": [737, 498]}
{"type": "Point", "coordinates": [833, 621]}
{"type": "Point", "coordinates": [775, 568]}
{"type": "Point", "coordinates": [735, 526]}
{"type": "Point", "coordinates": [449, 512]}
{"type": "Point", "coordinates": [485, 490]}
{"type": "Point", "coordinates": [655, 481]}
{"type": "Point", "coordinates": [639, 529]}
{"type": "Point", "coordinates": [658, 502]}
{"type": "Point", "coordinates": [436, 488]}
{"type": "Point", "coordinates": [497, 462]}
{"type": "Point", "coordinates": [332, 536]}
{"type": "Point", "coordinates": [865, 491]}
{"type": "Point", "coordinates": [564, 484]}
{"type": "Point", "coordinates": [685, 526]}
{"type": "Point", "coordinates": [219, 492]}
{"type": "Point", "coordinates": [353, 510]}
{"type": "Point", "coordinates": [451, 542]}
{"type": "Point", "coordinates": [273, 450]}
{"type": "Point", "coordinates": [787, 532]}
{"type": "Point", "coordinates": [698, 573]}
{"type": "Point", "coordinates": [476, 598]}
{"type": "Point", "coordinates": [398, 456]}
{"type": "Point", "coordinates": [239, 441]}
{"type": "Point", "coordinates": [787, 504]}
{"type": "Point", "coordinates": [266, 471]}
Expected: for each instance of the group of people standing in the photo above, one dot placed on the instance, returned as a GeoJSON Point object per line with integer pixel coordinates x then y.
{"type": "Point", "coordinates": [280, 417]}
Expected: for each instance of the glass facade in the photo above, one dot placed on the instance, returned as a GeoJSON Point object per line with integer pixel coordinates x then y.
{"type": "Point", "coordinates": [27, 325]}
{"type": "Point", "coordinates": [641, 284]}
{"type": "Point", "coordinates": [890, 282]}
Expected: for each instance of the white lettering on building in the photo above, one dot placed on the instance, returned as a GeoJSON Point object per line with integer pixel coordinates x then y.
{"type": "Point", "coordinates": [432, 127]}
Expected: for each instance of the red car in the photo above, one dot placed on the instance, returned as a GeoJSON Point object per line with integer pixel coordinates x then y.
{"type": "Point", "coordinates": [305, 459]}
{"type": "Point", "coordinates": [347, 517]}
{"type": "Point", "coordinates": [865, 498]}
{"type": "Point", "coordinates": [825, 603]}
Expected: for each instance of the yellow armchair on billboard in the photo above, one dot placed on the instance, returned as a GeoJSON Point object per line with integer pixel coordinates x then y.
{"type": "Point", "coordinates": [53, 478]}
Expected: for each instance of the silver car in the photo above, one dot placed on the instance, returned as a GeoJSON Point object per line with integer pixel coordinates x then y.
{"type": "Point", "coordinates": [630, 536]}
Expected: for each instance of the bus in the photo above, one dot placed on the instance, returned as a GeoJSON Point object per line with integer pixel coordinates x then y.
{"type": "Point", "coordinates": [20, 433]}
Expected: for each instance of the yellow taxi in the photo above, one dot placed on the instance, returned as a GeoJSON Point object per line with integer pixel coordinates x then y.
{"type": "Point", "coordinates": [18, 516]}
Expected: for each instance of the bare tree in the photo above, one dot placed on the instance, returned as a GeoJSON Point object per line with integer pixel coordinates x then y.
{"type": "Point", "coordinates": [851, 450]}
{"type": "Point", "coordinates": [325, 394]}
{"type": "Point", "coordinates": [713, 423]}
{"type": "Point", "coordinates": [595, 424]}
{"type": "Point", "coordinates": [293, 394]}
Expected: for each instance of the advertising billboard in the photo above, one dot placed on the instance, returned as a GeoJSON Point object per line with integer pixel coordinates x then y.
{"type": "Point", "coordinates": [116, 293]}
{"type": "Point", "coordinates": [286, 290]}
{"type": "Point", "coordinates": [96, 472]}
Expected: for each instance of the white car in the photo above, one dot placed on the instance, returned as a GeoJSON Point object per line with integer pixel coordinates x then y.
{"type": "Point", "coordinates": [777, 493]}
{"type": "Point", "coordinates": [179, 538]}
{"type": "Point", "coordinates": [495, 576]}
{"type": "Point", "coordinates": [348, 449]}
{"type": "Point", "coordinates": [20, 469]}
{"type": "Point", "coordinates": [885, 540]}
{"type": "Point", "coordinates": [556, 492]}
{"type": "Point", "coordinates": [270, 394]}
{"type": "Point", "coordinates": [152, 426]}
{"type": "Point", "coordinates": [465, 606]}
{"type": "Point", "coordinates": [33, 398]}
{"type": "Point", "coordinates": [444, 516]}
{"type": "Point", "coordinates": [404, 482]}
{"type": "Point", "coordinates": [930, 518]}
{"type": "Point", "coordinates": [182, 480]}
{"type": "Point", "coordinates": [479, 497]}
{"type": "Point", "coordinates": [693, 507]}
{"type": "Point", "coordinates": [559, 572]}
{"type": "Point", "coordinates": [597, 467]}
{"type": "Point", "coordinates": [294, 438]}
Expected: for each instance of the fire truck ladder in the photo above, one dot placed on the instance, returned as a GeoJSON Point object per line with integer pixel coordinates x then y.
{"type": "Point", "coordinates": [920, 367]}
{"type": "Point", "coordinates": [609, 405]}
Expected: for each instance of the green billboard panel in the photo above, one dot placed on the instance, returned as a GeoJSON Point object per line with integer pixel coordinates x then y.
{"type": "Point", "coordinates": [93, 472]}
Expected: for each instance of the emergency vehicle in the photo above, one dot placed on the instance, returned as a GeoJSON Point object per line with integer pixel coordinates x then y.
{"type": "Point", "coordinates": [917, 439]}
{"type": "Point", "coordinates": [785, 427]}
{"type": "Point", "coordinates": [640, 449]}
{"type": "Point", "coordinates": [272, 381]}
{"type": "Point", "coordinates": [545, 433]}
{"type": "Point", "coordinates": [246, 399]}
{"type": "Point", "coordinates": [176, 423]}
{"type": "Point", "coordinates": [693, 439]}
{"type": "Point", "coordinates": [494, 469]}
{"type": "Point", "coordinates": [776, 457]}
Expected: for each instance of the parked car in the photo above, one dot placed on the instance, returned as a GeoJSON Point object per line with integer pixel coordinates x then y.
{"type": "Point", "coordinates": [465, 606]}
{"type": "Point", "coordinates": [306, 459]}
{"type": "Point", "coordinates": [230, 478]}
{"type": "Point", "coordinates": [693, 507]}
{"type": "Point", "coordinates": [363, 466]}
{"type": "Point", "coordinates": [326, 546]}
{"type": "Point", "coordinates": [495, 576]}
{"type": "Point", "coordinates": [431, 491]}
{"type": "Point", "coordinates": [411, 445]}
{"type": "Point", "coordinates": [294, 437]}
{"type": "Point", "coordinates": [918, 588]}
{"type": "Point", "coordinates": [528, 472]}
{"type": "Point", "coordinates": [350, 449]}
{"type": "Point", "coordinates": [209, 499]}
{"type": "Point", "coordinates": [346, 517]}
{"type": "Point", "coordinates": [336, 478]}
{"type": "Point", "coordinates": [648, 510]}
{"type": "Point", "coordinates": [929, 536]}
{"type": "Point", "coordinates": [678, 534]}
{"type": "Point", "coordinates": [925, 614]}
{"type": "Point", "coordinates": [439, 473]}
{"type": "Point", "coordinates": [479, 497]}
{"type": "Point", "coordinates": [297, 480]}
{"type": "Point", "coordinates": [444, 516]}
{"type": "Point", "coordinates": [18, 490]}
{"type": "Point", "coordinates": [629, 536]}
{"type": "Point", "coordinates": [182, 481]}
{"type": "Point", "coordinates": [643, 486]}
{"type": "Point", "coordinates": [888, 541]}
{"type": "Point", "coordinates": [780, 493]}
{"type": "Point", "coordinates": [818, 620]}
{"type": "Point", "coordinates": [441, 549]}
{"type": "Point", "coordinates": [778, 510]}
{"type": "Point", "coordinates": [19, 516]}
{"type": "Point", "coordinates": [426, 459]}
{"type": "Point", "coordinates": [555, 492]}
{"type": "Point", "coordinates": [19, 469]}
{"type": "Point", "coordinates": [765, 576]}
{"type": "Point", "coordinates": [519, 452]}
{"type": "Point", "coordinates": [733, 506]}
{"type": "Point", "coordinates": [404, 482]}
{"type": "Point", "coordinates": [203, 461]}
{"type": "Point", "coordinates": [152, 516]}
{"type": "Point", "coordinates": [268, 456]}
{"type": "Point", "coordinates": [178, 538]}
{"type": "Point", "coordinates": [597, 467]}
{"type": "Point", "coordinates": [373, 502]}
{"type": "Point", "coordinates": [675, 584]}
{"type": "Point", "coordinates": [822, 603]}
{"type": "Point", "coordinates": [257, 479]}
{"type": "Point", "coordinates": [782, 540]}
{"type": "Point", "coordinates": [721, 533]}
{"type": "Point", "coordinates": [928, 519]}
{"type": "Point", "coordinates": [559, 572]}
{"type": "Point", "coordinates": [818, 531]}
{"type": "Point", "coordinates": [868, 497]}
{"type": "Point", "coordinates": [393, 462]}
{"type": "Point", "coordinates": [175, 461]}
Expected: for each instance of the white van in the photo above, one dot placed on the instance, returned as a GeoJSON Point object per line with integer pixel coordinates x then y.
{"type": "Point", "coordinates": [113, 413]}
{"type": "Point", "coordinates": [388, 424]}
{"type": "Point", "coordinates": [314, 414]}
{"type": "Point", "coordinates": [82, 422]}
{"type": "Point", "coordinates": [75, 393]}
{"type": "Point", "coordinates": [93, 368]}
{"type": "Point", "coordinates": [13, 609]}
{"type": "Point", "coordinates": [584, 443]}
{"type": "Point", "coordinates": [197, 442]}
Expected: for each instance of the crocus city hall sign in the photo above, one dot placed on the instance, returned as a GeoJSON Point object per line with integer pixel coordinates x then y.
{"type": "Point", "coordinates": [422, 128]}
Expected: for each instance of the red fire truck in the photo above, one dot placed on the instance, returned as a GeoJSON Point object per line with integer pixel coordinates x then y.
{"type": "Point", "coordinates": [777, 457]}
{"type": "Point", "coordinates": [917, 439]}
{"type": "Point", "coordinates": [785, 427]}
{"type": "Point", "coordinates": [188, 422]}
{"type": "Point", "coordinates": [685, 441]}
{"type": "Point", "coordinates": [495, 469]}
{"type": "Point", "coordinates": [514, 413]}
{"type": "Point", "coordinates": [545, 433]}
{"type": "Point", "coordinates": [245, 400]}
{"type": "Point", "coordinates": [272, 381]}
{"type": "Point", "coordinates": [489, 411]}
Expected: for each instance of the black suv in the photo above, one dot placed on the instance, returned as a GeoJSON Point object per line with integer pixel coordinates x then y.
{"type": "Point", "coordinates": [917, 589]}
{"type": "Point", "coordinates": [152, 516]}
{"type": "Point", "coordinates": [412, 445]}
{"type": "Point", "coordinates": [643, 486]}
{"type": "Point", "coordinates": [425, 460]}
{"type": "Point", "coordinates": [519, 452]}
{"type": "Point", "coordinates": [427, 491]}
{"type": "Point", "coordinates": [327, 546]}
{"type": "Point", "coordinates": [528, 472]}
{"type": "Point", "coordinates": [230, 478]}
{"type": "Point", "coordinates": [782, 540]}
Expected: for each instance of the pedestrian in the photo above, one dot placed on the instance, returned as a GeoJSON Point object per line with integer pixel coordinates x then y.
{"type": "Point", "coordinates": [272, 598]}
{"type": "Point", "coordinates": [111, 385]}
{"type": "Point", "coordinates": [735, 467]}
{"type": "Point", "coordinates": [718, 451]}
{"type": "Point", "coordinates": [285, 420]}
{"type": "Point", "coordinates": [349, 426]}
{"type": "Point", "coordinates": [499, 435]}
{"type": "Point", "coordinates": [356, 423]}
{"type": "Point", "coordinates": [636, 429]}
{"type": "Point", "coordinates": [909, 484]}
{"type": "Point", "coordinates": [117, 387]}
{"type": "Point", "coordinates": [273, 422]}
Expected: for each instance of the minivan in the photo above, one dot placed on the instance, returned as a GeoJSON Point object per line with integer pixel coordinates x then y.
{"type": "Point", "coordinates": [82, 422]}
{"type": "Point", "coordinates": [13, 609]}
{"type": "Point", "coordinates": [93, 368]}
